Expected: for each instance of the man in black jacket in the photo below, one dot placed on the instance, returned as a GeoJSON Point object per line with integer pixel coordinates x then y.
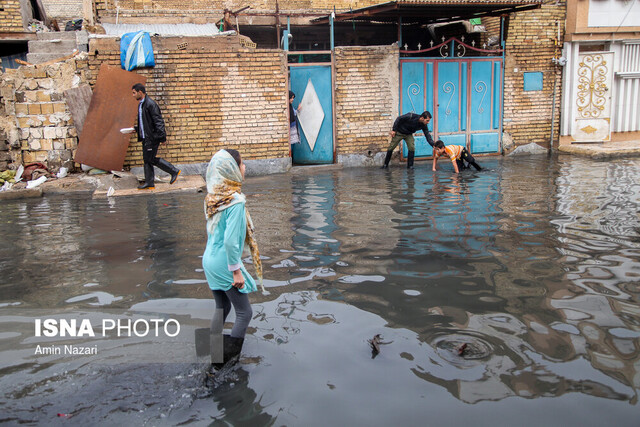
{"type": "Point", "coordinates": [151, 132]}
{"type": "Point", "coordinates": [403, 128]}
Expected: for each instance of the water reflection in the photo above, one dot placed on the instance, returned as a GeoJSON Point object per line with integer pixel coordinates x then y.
{"type": "Point", "coordinates": [532, 263]}
{"type": "Point", "coordinates": [313, 224]}
{"type": "Point", "coordinates": [161, 248]}
{"type": "Point", "coordinates": [601, 253]}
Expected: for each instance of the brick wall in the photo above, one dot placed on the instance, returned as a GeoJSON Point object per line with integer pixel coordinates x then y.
{"type": "Point", "coordinates": [213, 94]}
{"type": "Point", "coordinates": [366, 89]}
{"type": "Point", "coordinates": [256, 5]}
{"type": "Point", "coordinates": [10, 16]}
{"type": "Point", "coordinates": [530, 45]}
{"type": "Point", "coordinates": [492, 25]}
{"type": "Point", "coordinates": [201, 11]}
{"type": "Point", "coordinates": [37, 113]}
{"type": "Point", "coordinates": [63, 9]}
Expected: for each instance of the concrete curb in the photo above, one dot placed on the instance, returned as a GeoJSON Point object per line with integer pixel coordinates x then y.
{"type": "Point", "coordinates": [24, 193]}
{"type": "Point", "coordinates": [254, 168]}
{"type": "Point", "coordinates": [192, 183]}
{"type": "Point", "coordinates": [599, 152]}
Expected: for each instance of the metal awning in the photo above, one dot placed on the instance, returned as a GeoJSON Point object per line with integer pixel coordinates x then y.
{"type": "Point", "coordinates": [431, 11]}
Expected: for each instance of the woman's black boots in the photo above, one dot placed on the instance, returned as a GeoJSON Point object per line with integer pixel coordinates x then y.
{"type": "Point", "coordinates": [232, 349]}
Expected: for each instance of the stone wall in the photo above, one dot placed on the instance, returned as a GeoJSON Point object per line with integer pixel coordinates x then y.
{"type": "Point", "coordinates": [10, 16]}
{"type": "Point", "coordinates": [213, 94]}
{"type": "Point", "coordinates": [36, 123]}
{"type": "Point", "coordinates": [366, 90]}
{"type": "Point", "coordinates": [530, 45]}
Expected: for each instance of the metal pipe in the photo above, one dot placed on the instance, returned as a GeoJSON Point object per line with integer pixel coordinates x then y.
{"type": "Point", "coordinates": [553, 106]}
{"type": "Point", "coordinates": [331, 29]}
{"type": "Point", "coordinates": [277, 15]}
{"type": "Point", "coordinates": [504, 49]}
{"type": "Point", "coordinates": [555, 86]}
{"type": "Point", "coordinates": [285, 35]}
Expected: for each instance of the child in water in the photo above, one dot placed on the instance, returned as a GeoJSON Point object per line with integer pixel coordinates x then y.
{"type": "Point", "coordinates": [457, 153]}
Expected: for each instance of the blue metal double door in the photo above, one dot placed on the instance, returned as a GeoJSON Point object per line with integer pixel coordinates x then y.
{"type": "Point", "coordinates": [313, 87]}
{"type": "Point", "coordinates": [464, 97]}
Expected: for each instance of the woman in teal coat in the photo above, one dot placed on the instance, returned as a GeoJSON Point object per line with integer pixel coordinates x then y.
{"type": "Point", "coordinates": [229, 227]}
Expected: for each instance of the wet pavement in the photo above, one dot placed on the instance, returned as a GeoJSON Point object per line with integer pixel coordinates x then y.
{"type": "Point", "coordinates": [603, 150]}
{"type": "Point", "coordinates": [533, 263]}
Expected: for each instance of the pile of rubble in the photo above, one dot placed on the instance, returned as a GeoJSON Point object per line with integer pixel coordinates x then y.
{"type": "Point", "coordinates": [36, 124]}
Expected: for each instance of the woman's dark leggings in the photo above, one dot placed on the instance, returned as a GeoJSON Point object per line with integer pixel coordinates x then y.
{"type": "Point", "coordinates": [240, 301]}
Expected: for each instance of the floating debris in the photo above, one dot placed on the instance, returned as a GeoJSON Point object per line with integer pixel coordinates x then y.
{"type": "Point", "coordinates": [461, 349]}
{"type": "Point", "coordinates": [375, 343]}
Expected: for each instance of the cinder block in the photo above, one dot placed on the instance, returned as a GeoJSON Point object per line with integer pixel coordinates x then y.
{"type": "Point", "coordinates": [57, 35]}
{"type": "Point", "coordinates": [39, 58]}
{"type": "Point", "coordinates": [60, 48]}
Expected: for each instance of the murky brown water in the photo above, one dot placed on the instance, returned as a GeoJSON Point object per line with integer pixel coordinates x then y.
{"type": "Point", "coordinates": [534, 264]}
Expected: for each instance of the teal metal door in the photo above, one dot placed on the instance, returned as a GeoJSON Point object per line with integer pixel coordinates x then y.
{"type": "Point", "coordinates": [485, 88]}
{"type": "Point", "coordinates": [313, 88]}
{"type": "Point", "coordinates": [451, 98]}
{"type": "Point", "coordinates": [416, 97]}
{"type": "Point", "coordinates": [463, 95]}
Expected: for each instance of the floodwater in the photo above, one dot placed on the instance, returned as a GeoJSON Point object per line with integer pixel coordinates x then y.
{"type": "Point", "coordinates": [533, 264]}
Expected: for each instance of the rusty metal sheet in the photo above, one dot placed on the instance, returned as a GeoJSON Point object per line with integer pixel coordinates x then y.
{"type": "Point", "coordinates": [78, 100]}
{"type": "Point", "coordinates": [112, 108]}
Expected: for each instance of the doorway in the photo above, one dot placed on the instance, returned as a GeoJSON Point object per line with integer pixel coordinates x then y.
{"type": "Point", "coordinates": [464, 97]}
{"type": "Point", "coordinates": [313, 88]}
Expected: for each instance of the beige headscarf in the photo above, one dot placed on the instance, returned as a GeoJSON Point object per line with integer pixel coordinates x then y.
{"type": "Point", "coordinates": [224, 183]}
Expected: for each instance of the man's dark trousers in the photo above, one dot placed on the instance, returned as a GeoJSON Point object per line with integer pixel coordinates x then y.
{"type": "Point", "coordinates": [149, 151]}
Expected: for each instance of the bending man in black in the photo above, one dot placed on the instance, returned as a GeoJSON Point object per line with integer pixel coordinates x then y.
{"type": "Point", "coordinates": [403, 128]}
{"type": "Point", "coordinates": [151, 132]}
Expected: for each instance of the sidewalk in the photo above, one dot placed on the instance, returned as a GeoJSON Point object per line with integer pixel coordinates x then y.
{"type": "Point", "coordinates": [604, 150]}
{"type": "Point", "coordinates": [192, 183]}
{"type": "Point", "coordinates": [122, 184]}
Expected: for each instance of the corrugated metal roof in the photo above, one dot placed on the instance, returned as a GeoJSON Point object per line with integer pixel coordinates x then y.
{"type": "Point", "coordinates": [458, 2]}
{"type": "Point", "coordinates": [163, 29]}
{"type": "Point", "coordinates": [433, 11]}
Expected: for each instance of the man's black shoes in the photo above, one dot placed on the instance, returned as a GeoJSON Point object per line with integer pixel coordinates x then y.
{"type": "Point", "coordinates": [174, 177]}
